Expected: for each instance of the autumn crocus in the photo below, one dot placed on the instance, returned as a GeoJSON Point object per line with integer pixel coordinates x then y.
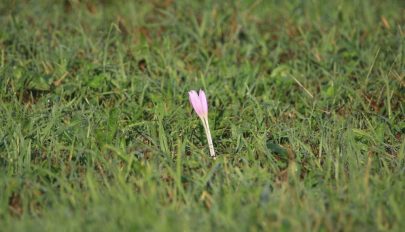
{"type": "Point", "coordinates": [200, 105]}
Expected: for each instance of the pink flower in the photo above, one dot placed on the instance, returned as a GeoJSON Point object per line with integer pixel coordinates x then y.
{"type": "Point", "coordinates": [200, 105]}
{"type": "Point", "coordinates": [199, 102]}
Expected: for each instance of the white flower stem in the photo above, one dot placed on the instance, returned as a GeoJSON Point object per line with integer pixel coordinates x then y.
{"type": "Point", "coordinates": [209, 138]}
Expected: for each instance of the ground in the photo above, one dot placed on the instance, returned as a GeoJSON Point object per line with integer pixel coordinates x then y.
{"type": "Point", "coordinates": [306, 108]}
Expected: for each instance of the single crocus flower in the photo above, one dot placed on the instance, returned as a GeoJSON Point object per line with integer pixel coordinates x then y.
{"type": "Point", "coordinates": [200, 105]}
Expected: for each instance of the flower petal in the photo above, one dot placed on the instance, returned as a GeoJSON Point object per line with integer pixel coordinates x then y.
{"type": "Point", "coordinates": [203, 100]}
{"type": "Point", "coordinates": [195, 102]}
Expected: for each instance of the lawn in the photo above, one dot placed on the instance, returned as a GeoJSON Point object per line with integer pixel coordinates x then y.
{"type": "Point", "coordinates": [306, 109]}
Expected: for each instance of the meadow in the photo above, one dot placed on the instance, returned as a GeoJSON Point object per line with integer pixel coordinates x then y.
{"type": "Point", "coordinates": [306, 109]}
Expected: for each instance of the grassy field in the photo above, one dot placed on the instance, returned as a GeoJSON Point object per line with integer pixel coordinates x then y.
{"type": "Point", "coordinates": [306, 108]}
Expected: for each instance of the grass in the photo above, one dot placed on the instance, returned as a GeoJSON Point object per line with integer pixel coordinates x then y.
{"type": "Point", "coordinates": [306, 110]}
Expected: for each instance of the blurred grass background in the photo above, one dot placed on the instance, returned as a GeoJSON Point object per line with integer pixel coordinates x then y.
{"type": "Point", "coordinates": [306, 110]}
